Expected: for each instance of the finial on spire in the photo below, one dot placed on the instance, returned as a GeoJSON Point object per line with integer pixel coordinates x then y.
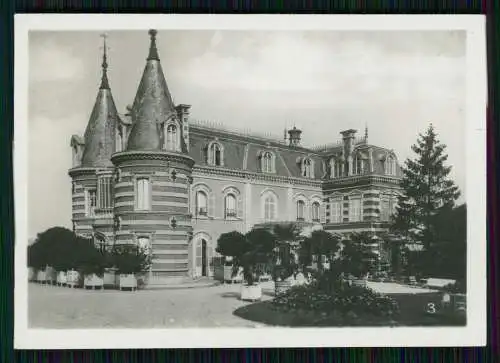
{"type": "Point", "coordinates": [366, 132]}
{"type": "Point", "coordinates": [153, 52]}
{"type": "Point", "coordinates": [104, 78]}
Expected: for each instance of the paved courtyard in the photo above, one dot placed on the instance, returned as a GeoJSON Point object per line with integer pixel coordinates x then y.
{"type": "Point", "coordinates": [62, 307]}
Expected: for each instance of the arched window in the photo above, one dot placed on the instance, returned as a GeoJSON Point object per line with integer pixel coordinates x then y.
{"type": "Point", "coordinates": [358, 165]}
{"type": "Point", "coordinates": [201, 203]}
{"type": "Point", "coordinates": [301, 210]}
{"type": "Point", "coordinates": [230, 206]}
{"type": "Point", "coordinates": [270, 207]}
{"type": "Point", "coordinates": [390, 165]}
{"type": "Point", "coordinates": [215, 154]}
{"type": "Point", "coordinates": [171, 139]}
{"type": "Point", "coordinates": [315, 211]}
{"type": "Point", "coordinates": [267, 162]}
{"type": "Point", "coordinates": [307, 168]}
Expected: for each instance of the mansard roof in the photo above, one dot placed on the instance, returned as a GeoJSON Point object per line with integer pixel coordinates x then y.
{"type": "Point", "coordinates": [242, 151]}
{"type": "Point", "coordinates": [152, 105]}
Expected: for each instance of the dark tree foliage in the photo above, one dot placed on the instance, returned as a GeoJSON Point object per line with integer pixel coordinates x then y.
{"type": "Point", "coordinates": [427, 191]}
{"type": "Point", "coordinates": [130, 259]}
{"type": "Point", "coordinates": [320, 243]}
{"type": "Point", "coordinates": [54, 248]}
{"type": "Point", "coordinates": [357, 257]}
{"type": "Point", "coordinates": [231, 244]}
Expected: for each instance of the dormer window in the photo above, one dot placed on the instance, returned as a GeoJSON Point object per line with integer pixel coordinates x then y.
{"type": "Point", "coordinates": [358, 165]}
{"type": "Point", "coordinates": [390, 165]}
{"type": "Point", "coordinates": [171, 138]}
{"type": "Point", "coordinates": [118, 139]}
{"type": "Point", "coordinates": [335, 168]}
{"type": "Point", "coordinates": [267, 162]}
{"type": "Point", "coordinates": [215, 155]}
{"type": "Point", "coordinates": [307, 168]}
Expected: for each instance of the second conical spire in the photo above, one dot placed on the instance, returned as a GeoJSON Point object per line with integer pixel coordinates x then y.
{"type": "Point", "coordinates": [153, 104]}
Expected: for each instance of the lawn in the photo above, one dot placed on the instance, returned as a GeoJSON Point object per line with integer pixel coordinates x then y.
{"type": "Point", "coordinates": [412, 313]}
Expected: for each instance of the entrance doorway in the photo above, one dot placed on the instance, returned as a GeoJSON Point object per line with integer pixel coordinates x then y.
{"type": "Point", "coordinates": [203, 257]}
{"type": "Point", "coordinates": [204, 269]}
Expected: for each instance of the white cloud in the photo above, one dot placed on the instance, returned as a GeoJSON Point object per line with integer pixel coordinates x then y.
{"type": "Point", "coordinates": [51, 62]}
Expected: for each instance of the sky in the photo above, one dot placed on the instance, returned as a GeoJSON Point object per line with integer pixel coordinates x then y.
{"type": "Point", "coordinates": [394, 82]}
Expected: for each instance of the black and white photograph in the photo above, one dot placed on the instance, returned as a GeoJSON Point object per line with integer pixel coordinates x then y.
{"type": "Point", "coordinates": [212, 181]}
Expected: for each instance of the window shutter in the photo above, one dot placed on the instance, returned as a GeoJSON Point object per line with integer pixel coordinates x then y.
{"type": "Point", "coordinates": [322, 213]}
{"type": "Point", "coordinates": [240, 207]}
{"type": "Point", "coordinates": [211, 205]}
{"type": "Point", "coordinates": [192, 201]}
{"type": "Point", "coordinates": [210, 155]}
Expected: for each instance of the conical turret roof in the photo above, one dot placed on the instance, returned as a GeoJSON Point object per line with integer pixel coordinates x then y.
{"type": "Point", "coordinates": [152, 105]}
{"type": "Point", "coordinates": [100, 132]}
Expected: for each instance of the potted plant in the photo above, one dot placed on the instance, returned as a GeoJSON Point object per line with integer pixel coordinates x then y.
{"type": "Point", "coordinates": [129, 261]}
{"type": "Point", "coordinates": [257, 251]}
{"type": "Point", "coordinates": [285, 265]}
{"type": "Point", "coordinates": [93, 268]}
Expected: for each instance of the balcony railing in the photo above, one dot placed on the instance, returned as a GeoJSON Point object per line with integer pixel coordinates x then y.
{"type": "Point", "coordinates": [231, 213]}
{"type": "Point", "coordinates": [300, 219]}
{"type": "Point", "coordinates": [202, 212]}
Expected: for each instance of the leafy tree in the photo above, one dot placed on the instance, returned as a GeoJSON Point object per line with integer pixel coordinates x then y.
{"type": "Point", "coordinates": [357, 257]}
{"type": "Point", "coordinates": [130, 259]}
{"type": "Point", "coordinates": [51, 248]}
{"type": "Point", "coordinates": [427, 190]}
{"type": "Point", "coordinates": [285, 265]}
{"type": "Point", "coordinates": [231, 244]}
{"type": "Point", "coordinates": [449, 252]}
{"type": "Point", "coordinates": [320, 243]}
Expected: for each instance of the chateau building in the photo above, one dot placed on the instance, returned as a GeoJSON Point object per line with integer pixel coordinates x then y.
{"type": "Point", "coordinates": [156, 178]}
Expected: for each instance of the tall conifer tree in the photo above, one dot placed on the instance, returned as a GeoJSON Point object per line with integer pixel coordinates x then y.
{"type": "Point", "coordinates": [427, 191]}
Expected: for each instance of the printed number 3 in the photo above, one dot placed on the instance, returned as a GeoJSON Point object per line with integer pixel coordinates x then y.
{"type": "Point", "coordinates": [431, 308]}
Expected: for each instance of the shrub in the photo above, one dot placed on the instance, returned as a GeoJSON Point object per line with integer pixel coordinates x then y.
{"type": "Point", "coordinates": [329, 294]}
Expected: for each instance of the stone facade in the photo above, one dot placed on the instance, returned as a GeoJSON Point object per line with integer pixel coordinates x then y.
{"type": "Point", "coordinates": [175, 184]}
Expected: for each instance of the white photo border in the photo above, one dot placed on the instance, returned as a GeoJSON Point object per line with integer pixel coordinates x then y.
{"type": "Point", "coordinates": [474, 334]}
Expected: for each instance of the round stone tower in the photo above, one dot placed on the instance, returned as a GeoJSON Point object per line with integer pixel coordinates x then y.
{"type": "Point", "coordinates": [92, 169]}
{"type": "Point", "coordinates": [152, 177]}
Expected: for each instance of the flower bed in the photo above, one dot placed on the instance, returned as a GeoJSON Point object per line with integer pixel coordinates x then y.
{"type": "Point", "coordinates": [350, 300]}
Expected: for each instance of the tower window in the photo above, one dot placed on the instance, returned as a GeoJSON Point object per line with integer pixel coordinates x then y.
{"type": "Point", "coordinates": [105, 193]}
{"type": "Point", "coordinates": [171, 139]}
{"type": "Point", "coordinates": [336, 211]}
{"type": "Point", "coordinates": [91, 202]}
{"type": "Point", "coordinates": [143, 194]}
{"type": "Point", "coordinates": [354, 210]}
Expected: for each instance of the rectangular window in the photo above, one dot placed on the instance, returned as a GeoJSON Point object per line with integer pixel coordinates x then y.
{"type": "Point", "coordinates": [105, 193]}
{"type": "Point", "coordinates": [143, 194]}
{"type": "Point", "coordinates": [336, 212]}
{"type": "Point", "coordinates": [91, 202]}
{"type": "Point", "coordinates": [355, 210]}
{"type": "Point", "coordinates": [144, 245]}
{"type": "Point", "coordinates": [385, 210]}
